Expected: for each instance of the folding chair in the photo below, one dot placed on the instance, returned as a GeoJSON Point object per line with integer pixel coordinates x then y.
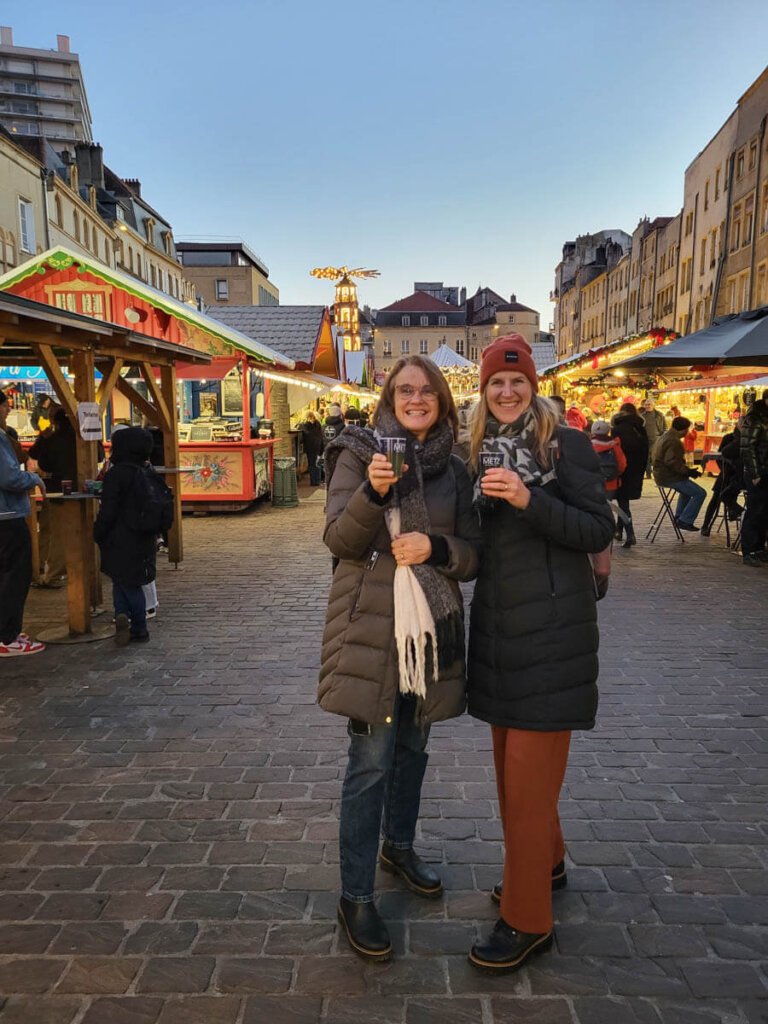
{"type": "Point", "coordinates": [665, 511]}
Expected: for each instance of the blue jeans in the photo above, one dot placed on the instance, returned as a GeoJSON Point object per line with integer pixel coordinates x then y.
{"type": "Point", "coordinates": [690, 499]}
{"type": "Point", "coordinates": [130, 601]}
{"type": "Point", "coordinates": [381, 794]}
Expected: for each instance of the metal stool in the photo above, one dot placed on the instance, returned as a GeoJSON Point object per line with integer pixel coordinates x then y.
{"type": "Point", "coordinates": [665, 510]}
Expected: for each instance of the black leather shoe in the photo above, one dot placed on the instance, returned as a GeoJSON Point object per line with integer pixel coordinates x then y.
{"type": "Point", "coordinates": [415, 873]}
{"type": "Point", "coordinates": [559, 881]}
{"type": "Point", "coordinates": [367, 933]}
{"type": "Point", "coordinates": [689, 527]}
{"type": "Point", "coordinates": [506, 949]}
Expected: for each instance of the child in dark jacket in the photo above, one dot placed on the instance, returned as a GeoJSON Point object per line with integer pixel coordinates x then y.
{"type": "Point", "coordinates": [127, 555]}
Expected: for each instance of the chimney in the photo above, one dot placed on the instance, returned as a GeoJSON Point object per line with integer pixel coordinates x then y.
{"type": "Point", "coordinates": [134, 185]}
{"type": "Point", "coordinates": [62, 44]}
{"type": "Point", "coordinates": [6, 36]}
{"type": "Point", "coordinates": [463, 297]}
{"type": "Point", "coordinates": [90, 164]}
{"type": "Point", "coordinates": [513, 298]}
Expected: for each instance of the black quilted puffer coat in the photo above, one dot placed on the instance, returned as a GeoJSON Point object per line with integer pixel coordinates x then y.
{"type": "Point", "coordinates": [533, 628]}
{"type": "Point", "coordinates": [359, 675]}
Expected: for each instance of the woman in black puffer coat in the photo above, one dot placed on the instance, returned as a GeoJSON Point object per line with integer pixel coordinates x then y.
{"type": "Point", "coordinates": [630, 430]}
{"type": "Point", "coordinates": [533, 640]}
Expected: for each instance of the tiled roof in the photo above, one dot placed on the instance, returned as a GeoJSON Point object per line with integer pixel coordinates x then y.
{"type": "Point", "coordinates": [514, 307]}
{"type": "Point", "coordinates": [419, 302]}
{"type": "Point", "coordinates": [292, 330]}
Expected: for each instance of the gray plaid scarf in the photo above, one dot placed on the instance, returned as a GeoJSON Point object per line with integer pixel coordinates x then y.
{"type": "Point", "coordinates": [514, 442]}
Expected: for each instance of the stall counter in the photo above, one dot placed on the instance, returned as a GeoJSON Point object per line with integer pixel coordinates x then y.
{"type": "Point", "coordinates": [233, 473]}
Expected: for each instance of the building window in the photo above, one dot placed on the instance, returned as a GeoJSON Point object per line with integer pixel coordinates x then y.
{"type": "Point", "coordinates": [703, 258]}
{"type": "Point", "coordinates": [460, 346]}
{"type": "Point", "coordinates": [706, 194]}
{"type": "Point", "coordinates": [57, 211]}
{"type": "Point", "coordinates": [717, 183]}
{"type": "Point", "coordinates": [423, 321]}
{"type": "Point", "coordinates": [26, 226]}
{"type": "Point", "coordinates": [442, 321]}
{"type": "Point", "coordinates": [387, 348]}
{"type": "Point", "coordinates": [423, 347]}
{"type": "Point", "coordinates": [753, 155]}
{"type": "Point", "coordinates": [689, 222]}
{"type": "Point", "coordinates": [405, 321]}
{"type": "Point", "coordinates": [749, 219]}
{"type": "Point", "coordinates": [736, 227]}
{"type": "Point", "coordinates": [761, 285]}
{"type": "Point", "coordinates": [222, 288]}
{"type": "Point", "coordinates": [405, 347]}
{"type": "Point", "coordinates": [740, 165]}
{"type": "Point", "coordinates": [744, 290]}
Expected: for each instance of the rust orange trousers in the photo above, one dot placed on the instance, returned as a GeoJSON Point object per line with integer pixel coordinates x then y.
{"type": "Point", "coordinates": [530, 768]}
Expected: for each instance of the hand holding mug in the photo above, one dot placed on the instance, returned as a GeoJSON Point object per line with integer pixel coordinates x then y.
{"type": "Point", "coordinates": [381, 475]}
{"type": "Point", "coordinates": [505, 484]}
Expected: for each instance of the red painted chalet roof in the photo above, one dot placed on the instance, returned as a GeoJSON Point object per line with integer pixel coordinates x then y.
{"type": "Point", "coordinates": [419, 302]}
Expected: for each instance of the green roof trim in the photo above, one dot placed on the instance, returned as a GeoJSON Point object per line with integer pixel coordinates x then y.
{"type": "Point", "coordinates": [61, 259]}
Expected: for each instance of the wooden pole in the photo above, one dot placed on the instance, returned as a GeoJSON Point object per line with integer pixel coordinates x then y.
{"type": "Point", "coordinates": [172, 461]}
{"type": "Point", "coordinates": [86, 587]}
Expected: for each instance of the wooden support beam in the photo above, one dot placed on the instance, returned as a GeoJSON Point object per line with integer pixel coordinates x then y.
{"type": "Point", "coordinates": [110, 372]}
{"type": "Point", "coordinates": [83, 368]}
{"type": "Point", "coordinates": [133, 396]}
{"type": "Point", "coordinates": [63, 391]}
{"type": "Point", "coordinates": [172, 461]}
{"type": "Point", "coordinates": [157, 397]}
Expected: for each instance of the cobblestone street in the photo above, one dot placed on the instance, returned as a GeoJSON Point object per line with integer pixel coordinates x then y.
{"type": "Point", "coordinates": [168, 812]}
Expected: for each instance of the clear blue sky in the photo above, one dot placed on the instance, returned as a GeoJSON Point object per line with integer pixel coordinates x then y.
{"type": "Point", "coordinates": [462, 142]}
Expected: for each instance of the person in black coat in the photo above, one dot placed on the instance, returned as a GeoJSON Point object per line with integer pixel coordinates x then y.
{"type": "Point", "coordinates": [127, 555]}
{"type": "Point", "coordinates": [629, 427]}
{"type": "Point", "coordinates": [533, 635]}
{"type": "Point", "coordinates": [312, 443]}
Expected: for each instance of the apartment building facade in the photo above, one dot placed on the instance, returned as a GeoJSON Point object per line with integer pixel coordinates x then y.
{"type": "Point", "coordinates": [42, 93]}
{"type": "Point", "coordinates": [227, 273]}
{"type": "Point", "coordinates": [46, 200]}
{"type": "Point", "coordinates": [416, 325]}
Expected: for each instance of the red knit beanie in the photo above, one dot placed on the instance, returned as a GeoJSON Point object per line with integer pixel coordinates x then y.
{"type": "Point", "coordinates": [509, 353]}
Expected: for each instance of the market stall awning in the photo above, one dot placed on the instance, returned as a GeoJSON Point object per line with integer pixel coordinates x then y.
{"type": "Point", "coordinates": [80, 284]}
{"type": "Point", "coordinates": [715, 383]}
{"type": "Point", "coordinates": [736, 340]}
{"type": "Point", "coordinates": [217, 370]}
{"type": "Point", "coordinates": [447, 358]}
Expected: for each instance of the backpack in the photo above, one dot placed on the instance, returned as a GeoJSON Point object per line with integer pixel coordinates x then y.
{"type": "Point", "coordinates": [150, 506]}
{"type": "Point", "coordinates": [609, 464]}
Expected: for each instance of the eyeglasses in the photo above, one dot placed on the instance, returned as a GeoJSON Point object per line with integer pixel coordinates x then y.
{"type": "Point", "coordinates": [407, 391]}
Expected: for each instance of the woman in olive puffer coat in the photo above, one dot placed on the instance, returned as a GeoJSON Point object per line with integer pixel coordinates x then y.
{"type": "Point", "coordinates": [533, 636]}
{"type": "Point", "coordinates": [393, 649]}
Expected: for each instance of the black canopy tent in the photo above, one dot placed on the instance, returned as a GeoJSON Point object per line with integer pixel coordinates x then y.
{"type": "Point", "coordinates": [739, 339]}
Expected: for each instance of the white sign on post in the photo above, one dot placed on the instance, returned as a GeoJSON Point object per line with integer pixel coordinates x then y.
{"type": "Point", "coordinates": [89, 418]}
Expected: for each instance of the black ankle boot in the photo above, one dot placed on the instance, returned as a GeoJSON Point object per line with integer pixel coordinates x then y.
{"type": "Point", "coordinates": [559, 881]}
{"type": "Point", "coordinates": [415, 873]}
{"type": "Point", "coordinates": [367, 933]}
{"type": "Point", "coordinates": [506, 949]}
{"type": "Point", "coordinates": [631, 539]}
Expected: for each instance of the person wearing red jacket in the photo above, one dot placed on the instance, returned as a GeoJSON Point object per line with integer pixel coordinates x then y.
{"type": "Point", "coordinates": [575, 418]}
{"type": "Point", "coordinates": [613, 461]}
{"type": "Point", "coordinates": [689, 444]}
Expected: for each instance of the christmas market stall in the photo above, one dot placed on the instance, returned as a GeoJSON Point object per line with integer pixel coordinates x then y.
{"type": "Point", "coordinates": [72, 347]}
{"type": "Point", "coordinates": [462, 374]}
{"type": "Point", "coordinates": [597, 383]}
{"type": "Point", "coordinates": [223, 465]}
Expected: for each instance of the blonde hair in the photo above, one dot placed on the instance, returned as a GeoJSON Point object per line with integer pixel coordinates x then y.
{"type": "Point", "coordinates": [546, 418]}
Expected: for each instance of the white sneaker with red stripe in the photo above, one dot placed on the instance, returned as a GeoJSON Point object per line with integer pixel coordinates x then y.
{"type": "Point", "coordinates": [20, 646]}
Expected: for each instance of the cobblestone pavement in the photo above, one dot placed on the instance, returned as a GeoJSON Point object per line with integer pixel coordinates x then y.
{"type": "Point", "coordinates": [168, 812]}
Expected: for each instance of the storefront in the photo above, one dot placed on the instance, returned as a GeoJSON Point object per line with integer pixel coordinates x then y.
{"type": "Point", "coordinates": [713, 404]}
{"type": "Point", "coordinates": [594, 382]}
{"type": "Point", "coordinates": [225, 463]}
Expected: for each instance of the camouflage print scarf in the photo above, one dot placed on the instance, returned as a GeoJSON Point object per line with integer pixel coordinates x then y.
{"type": "Point", "coordinates": [514, 442]}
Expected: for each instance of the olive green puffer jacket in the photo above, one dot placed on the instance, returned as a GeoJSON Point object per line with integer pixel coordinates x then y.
{"type": "Point", "coordinates": [359, 676]}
